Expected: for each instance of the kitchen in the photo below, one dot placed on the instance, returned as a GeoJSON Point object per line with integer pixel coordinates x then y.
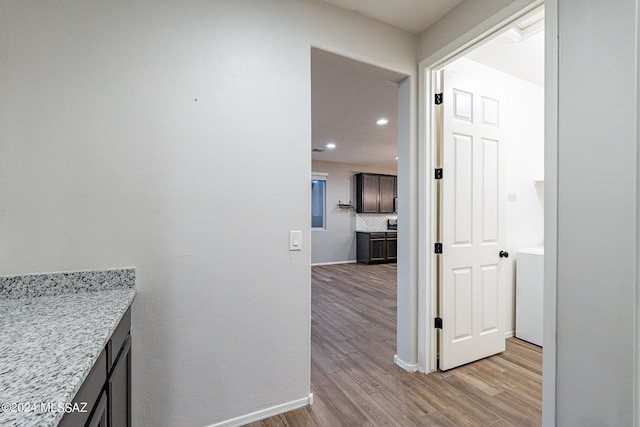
{"type": "Point", "coordinates": [354, 108]}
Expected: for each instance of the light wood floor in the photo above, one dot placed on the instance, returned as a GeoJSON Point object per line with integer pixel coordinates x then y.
{"type": "Point", "coordinates": [355, 383]}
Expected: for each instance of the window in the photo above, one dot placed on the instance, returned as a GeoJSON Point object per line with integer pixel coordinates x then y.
{"type": "Point", "coordinates": [318, 200]}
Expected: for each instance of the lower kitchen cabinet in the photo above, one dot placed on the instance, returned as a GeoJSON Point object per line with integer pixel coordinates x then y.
{"type": "Point", "coordinates": [107, 389]}
{"type": "Point", "coordinates": [119, 382]}
{"type": "Point", "coordinates": [377, 247]}
{"type": "Point", "coordinates": [99, 416]}
{"type": "Point", "coordinates": [119, 388]}
{"type": "Point", "coordinates": [392, 247]}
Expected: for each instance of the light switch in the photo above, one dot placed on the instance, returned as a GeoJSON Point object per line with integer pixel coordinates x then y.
{"type": "Point", "coordinates": [295, 240]}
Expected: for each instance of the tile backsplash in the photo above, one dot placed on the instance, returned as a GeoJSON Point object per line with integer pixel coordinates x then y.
{"type": "Point", "coordinates": [373, 222]}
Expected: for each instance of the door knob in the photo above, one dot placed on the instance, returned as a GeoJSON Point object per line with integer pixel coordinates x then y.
{"type": "Point", "coordinates": [504, 254]}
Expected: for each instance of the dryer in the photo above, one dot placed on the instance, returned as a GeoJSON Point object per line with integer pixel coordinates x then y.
{"type": "Point", "coordinates": [529, 294]}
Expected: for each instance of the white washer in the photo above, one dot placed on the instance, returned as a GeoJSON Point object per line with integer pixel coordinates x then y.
{"type": "Point", "coordinates": [529, 294]}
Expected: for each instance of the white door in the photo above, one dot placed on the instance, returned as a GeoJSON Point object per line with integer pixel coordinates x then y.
{"type": "Point", "coordinates": [472, 294]}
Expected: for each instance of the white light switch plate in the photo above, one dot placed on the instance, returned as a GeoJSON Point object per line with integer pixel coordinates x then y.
{"type": "Point", "coordinates": [295, 240]}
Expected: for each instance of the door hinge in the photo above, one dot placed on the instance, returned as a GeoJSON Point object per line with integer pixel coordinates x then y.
{"type": "Point", "coordinates": [438, 248]}
{"type": "Point", "coordinates": [437, 323]}
{"type": "Point", "coordinates": [438, 98]}
{"type": "Point", "coordinates": [438, 174]}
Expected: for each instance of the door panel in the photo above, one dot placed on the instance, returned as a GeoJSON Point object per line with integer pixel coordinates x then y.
{"type": "Point", "coordinates": [490, 189]}
{"type": "Point", "coordinates": [463, 105]}
{"type": "Point", "coordinates": [490, 287]}
{"type": "Point", "coordinates": [471, 291]}
{"type": "Point", "coordinates": [463, 299]}
{"type": "Point", "coordinates": [462, 202]}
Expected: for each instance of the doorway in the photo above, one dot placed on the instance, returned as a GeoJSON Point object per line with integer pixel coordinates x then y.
{"type": "Point", "coordinates": [340, 164]}
{"type": "Point", "coordinates": [524, 195]}
{"type": "Point", "coordinates": [355, 129]}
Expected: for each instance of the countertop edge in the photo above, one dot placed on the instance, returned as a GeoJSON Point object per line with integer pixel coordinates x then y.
{"type": "Point", "coordinates": [99, 350]}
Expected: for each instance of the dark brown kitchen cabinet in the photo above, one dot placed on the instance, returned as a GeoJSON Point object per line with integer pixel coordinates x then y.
{"type": "Point", "coordinates": [119, 382]}
{"type": "Point", "coordinates": [376, 247]}
{"type": "Point", "coordinates": [119, 388]}
{"type": "Point", "coordinates": [392, 247]}
{"type": "Point", "coordinates": [387, 193]}
{"type": "Point", "coordinates": [99, 418]}
{"type": "Point", "coordinates": [367, 191]}
{"type": "Point", "coordinates": [107, 389]}
{"type": "Point", "coordinates": [375, 193]}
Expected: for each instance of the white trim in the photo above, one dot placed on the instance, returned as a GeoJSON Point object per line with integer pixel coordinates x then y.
{"type": "Point", "coordinates": [509, 334]}
{"type": "Point", "coordinates": [550, 314]}
{"type": "Point", "coordinates": [319, 176]}
{"type": "Point", "coordinates": [409, 367]}
{"type": "Point", "coordinates": [333, 263]}
{"type": "Point", "coordinates": [424, 200]}
{"type": "Point", "coordinates": [266, 413]}
{"type": "Point", "coordinates": [492, 26]}
{"type": "Point", "coordinates": [499, 22]}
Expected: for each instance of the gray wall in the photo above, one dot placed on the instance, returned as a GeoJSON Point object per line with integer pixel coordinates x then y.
{"type": "Point", "coordinates": [597, 205]}
{"type": "Point", "coordinates": [337, 243]}
{"type": "Point", "coordinates": [175, 137]}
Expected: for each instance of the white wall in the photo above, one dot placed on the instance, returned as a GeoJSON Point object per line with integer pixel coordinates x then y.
{"type": "Point", "coordinates": [337, 243]}
{"type": "Point", "coordinates": [597, 214]}
{"type": "Point", "coordinates": [466, 22]}
{"type": "Point", "coordinates": [108, 160]}
{"type": "Point", "coordinates": [522, 118]}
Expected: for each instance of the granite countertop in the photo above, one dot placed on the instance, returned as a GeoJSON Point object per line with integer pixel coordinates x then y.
{"type": "Point", "coordinates": [384, 230]}
{"type": "Point", "coordinates": [53, 327]}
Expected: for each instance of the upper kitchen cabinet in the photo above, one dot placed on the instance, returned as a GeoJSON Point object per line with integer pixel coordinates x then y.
{"type": "Point", "coordinates": [375, 193]}
{"type": "Point", "coordinates": [387, 193]}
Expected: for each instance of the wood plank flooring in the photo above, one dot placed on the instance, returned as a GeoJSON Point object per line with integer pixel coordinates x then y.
{"type": "Point", "coordinates": [355, 383]}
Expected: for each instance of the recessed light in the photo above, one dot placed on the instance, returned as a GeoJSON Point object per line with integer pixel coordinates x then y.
{"type": "Point", "coordinates": [331, 145]}
{"type": "Point", "coordinates": [382, 122]}
{"type": "Point", "coordinates": [396, 158]}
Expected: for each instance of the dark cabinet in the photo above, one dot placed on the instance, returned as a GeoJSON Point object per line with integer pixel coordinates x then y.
{"type": "Point", "coordinates": [376, 248]}
{"type": "Point", "coordinates": [375, 193]}
{"type": "Point", "coordinates": [387, 193]}
{"type": "Point", "coordinates": [368, 188]}
{"type": "Point", "coordinates": [119, 388]}
{"type": "Point", "coordinates": [107, 389]}
{"type": "Point", "coordinates": [392, 247]}
{"type": "Point", "coordinates": [99, 417]}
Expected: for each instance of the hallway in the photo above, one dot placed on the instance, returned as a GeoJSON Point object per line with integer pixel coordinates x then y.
{"type": "Point", "coordinates": [354, 380]}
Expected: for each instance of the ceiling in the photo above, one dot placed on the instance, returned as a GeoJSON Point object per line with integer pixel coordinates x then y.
{"type": "Point", "coordinates": [347, 97]}
{"type": "Point", "coordinates": [519, 51]}
{"type": "Point", "coordinates": [414, 16]}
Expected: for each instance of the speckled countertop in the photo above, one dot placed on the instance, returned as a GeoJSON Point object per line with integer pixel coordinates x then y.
{"type": "Point", "coordinates": [53, 327]}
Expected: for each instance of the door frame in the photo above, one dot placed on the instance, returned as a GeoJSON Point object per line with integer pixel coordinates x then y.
{"type": "Point", "coordinates": [427, 274]}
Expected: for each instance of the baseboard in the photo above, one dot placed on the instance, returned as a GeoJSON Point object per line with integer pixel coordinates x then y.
{"type": "Point", "coordinates": [510, 334]}
{"type": "Point", "coordinates": [409, 367]}
{"type": "Point", "coordinates": [333, 263]}
{"type": "Point", "coordinates": [266, 413]}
